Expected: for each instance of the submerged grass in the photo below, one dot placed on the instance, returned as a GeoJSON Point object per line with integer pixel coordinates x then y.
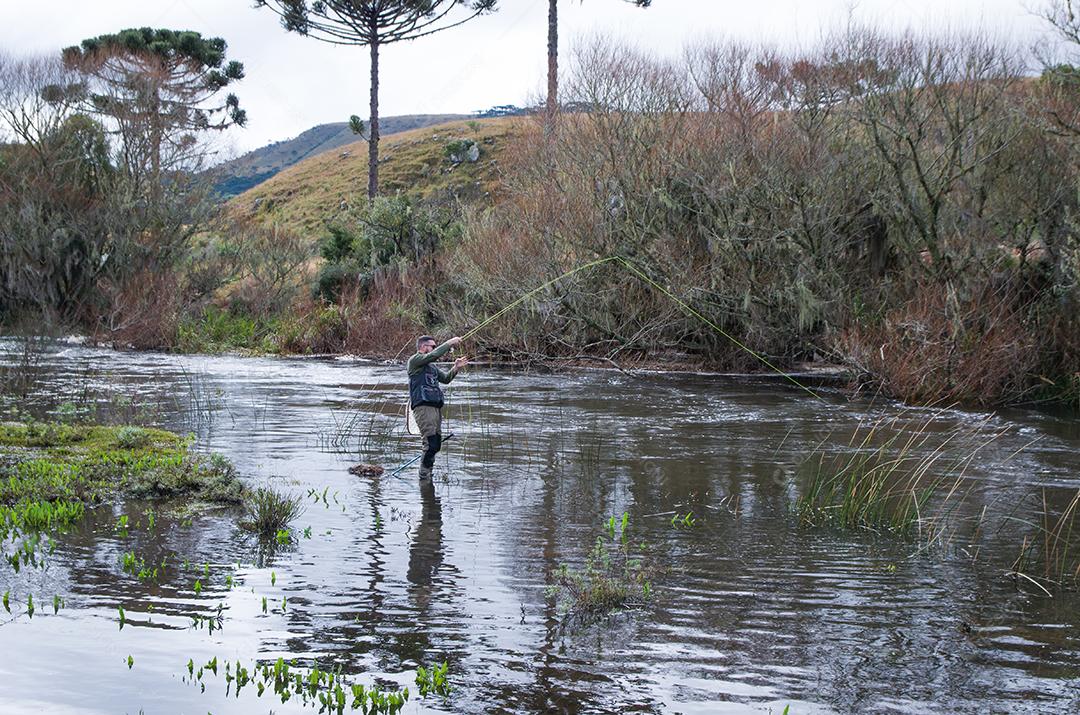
{"type": "Point", "coordinates": [1049, 558]}
{"type": "Point", "coordinates": [896, 476]}
{"type": "Point", "coordinates": [614, 576]}
{"type": "Point", "coordinates": [329, 690]}
{"type": "Point", "coordinates": [50, 470]}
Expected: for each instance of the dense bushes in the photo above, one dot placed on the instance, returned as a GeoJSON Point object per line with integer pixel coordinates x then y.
{"type": "Point", "coordinates": [904, 204]}
{"type": "Point", "coordinates": [389, 234]}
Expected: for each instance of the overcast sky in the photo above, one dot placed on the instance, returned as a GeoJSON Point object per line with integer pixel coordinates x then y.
{"type": "Point", "coordinates": [294, 83]}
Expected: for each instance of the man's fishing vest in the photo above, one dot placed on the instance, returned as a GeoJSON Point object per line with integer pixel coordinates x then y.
{"type": "Point", "coordinates": [424, 388]}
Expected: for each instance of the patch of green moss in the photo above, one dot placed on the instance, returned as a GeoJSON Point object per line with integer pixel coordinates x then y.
{"type": "Point", "coordinates": [48, 468]}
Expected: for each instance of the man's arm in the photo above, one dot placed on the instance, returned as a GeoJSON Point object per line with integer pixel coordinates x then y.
{"type": "Point", "coordinates": [421, 360]}
{"type": "Point", "coordinates": [445, 376]}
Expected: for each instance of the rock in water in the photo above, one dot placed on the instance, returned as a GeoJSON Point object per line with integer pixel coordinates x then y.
{"type": "Point", "coordinates": [366, 470]}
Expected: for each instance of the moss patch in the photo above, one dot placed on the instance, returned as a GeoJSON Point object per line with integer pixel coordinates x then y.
{"type": "Point", "coordinates": [49, 470]}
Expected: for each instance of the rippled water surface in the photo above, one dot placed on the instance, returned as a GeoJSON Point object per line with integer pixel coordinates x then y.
{"type": "Point", "coordinates": [750, 612]}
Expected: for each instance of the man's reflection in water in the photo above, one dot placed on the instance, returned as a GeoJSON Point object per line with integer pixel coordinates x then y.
{"type": "Point", "coordinates": [426, 550]}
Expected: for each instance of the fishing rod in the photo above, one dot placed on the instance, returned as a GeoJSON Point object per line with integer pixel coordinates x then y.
{"type": "Point", "coordinates": [641, 275]}
{"type": "Point", "coordinates": [412, 461]}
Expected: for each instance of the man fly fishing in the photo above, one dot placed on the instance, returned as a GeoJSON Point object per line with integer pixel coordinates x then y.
{"type": "Point", "coordinates": [426, 396]}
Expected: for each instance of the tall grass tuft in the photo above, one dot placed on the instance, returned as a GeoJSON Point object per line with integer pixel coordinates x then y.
{"type": "Point", "coordinates": [268, 512]}
{"type": "Point", "coordinates": [1050, 559]}
{"type": "Point", "coordinates": [894, 477]}
{"type": "Point", "coordinates": [614, 576]}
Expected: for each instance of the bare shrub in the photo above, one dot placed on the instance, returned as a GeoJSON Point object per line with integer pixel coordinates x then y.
{"type": "Point", "coordinates": [877, 189]}
{"type": "Point", "coordinates": [142, 312]}
{"type": "Point", "coordinates": [925, 352]}
{"type": "Point", "coordinates": [265, 267]}
{"type": "Point", "coordinates": [390, 314]}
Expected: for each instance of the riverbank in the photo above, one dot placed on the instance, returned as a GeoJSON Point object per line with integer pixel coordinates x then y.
{"type": "Point", "coordinates": [49, 471]}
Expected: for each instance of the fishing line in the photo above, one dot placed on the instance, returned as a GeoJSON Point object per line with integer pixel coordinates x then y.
{"type": "Point", "coordinates": [526, 296]}
{"type": "Point", "coordinates": [641, 275]}
{"type": "Point", "coordinates": [637, 272]}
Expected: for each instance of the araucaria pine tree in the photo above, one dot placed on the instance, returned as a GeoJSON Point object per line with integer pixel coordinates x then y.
{"type": "Point", "coordinates": [372, 24]}
{"type": "Point", "coordinates": [158, 90]}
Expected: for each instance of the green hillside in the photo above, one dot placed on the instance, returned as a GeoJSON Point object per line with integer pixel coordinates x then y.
{"type": "Point", "coordinates": [240, 174]}
{"type": "Point", "coordinates": [305, 196]}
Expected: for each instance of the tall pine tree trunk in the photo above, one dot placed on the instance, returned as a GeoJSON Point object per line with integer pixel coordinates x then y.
{"type": "Point", "coordinates": [553, 64]}
{"type": "Point", "coordinates": [373, 125]}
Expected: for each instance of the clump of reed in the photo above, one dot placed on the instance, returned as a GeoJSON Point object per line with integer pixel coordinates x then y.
{"type": "Point", "coordinates": [268, 512]}
{"type": "Point", "coordinates": [614, 576]}
{"type": "Point", "coordinates": [895, 477]}
{"type": "Point", "coordinates": [1049, 558]}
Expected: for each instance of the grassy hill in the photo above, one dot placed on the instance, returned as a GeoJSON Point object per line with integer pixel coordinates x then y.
{"type": "Point", "coordinates": [256, 166]}
{"type": "Point", "coordinates": [305, 196]}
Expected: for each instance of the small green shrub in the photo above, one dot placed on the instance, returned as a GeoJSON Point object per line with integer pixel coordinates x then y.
{"type": "Point", "coordinates": [331, 279]}
{"type": "Point", "coordinates": [132, 438]}
{"type": "Point", "coordinates": [433, 680]}
{"type": "Point", "coordinates": [456, 150]}
{"type": "Point", "coordinates": [268, 512]}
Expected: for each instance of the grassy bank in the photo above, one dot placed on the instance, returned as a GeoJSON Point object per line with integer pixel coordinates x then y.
{"type": "Point", "coordinates": [50, 471]}
{"type": "Point", "coordinates": [307, 195]}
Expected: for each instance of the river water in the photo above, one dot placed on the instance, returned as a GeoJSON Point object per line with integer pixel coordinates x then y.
{"type": "Point", "coordinates": [750, 611]}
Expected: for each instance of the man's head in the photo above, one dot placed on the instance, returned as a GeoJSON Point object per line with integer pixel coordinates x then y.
{"type": "Point", "coordinates": [425, 344]}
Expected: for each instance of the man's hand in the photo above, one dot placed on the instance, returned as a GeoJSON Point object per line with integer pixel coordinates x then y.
{"type": "Point", "coordinates": [461, 362]}
{"type": "Point", "coordinates": [454, 342]}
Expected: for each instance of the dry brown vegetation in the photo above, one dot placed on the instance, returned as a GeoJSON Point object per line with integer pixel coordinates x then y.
{"type": "Point", "coordinates": [904, 205]}
{"type": "Point", "coordinates": [900, 203]}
